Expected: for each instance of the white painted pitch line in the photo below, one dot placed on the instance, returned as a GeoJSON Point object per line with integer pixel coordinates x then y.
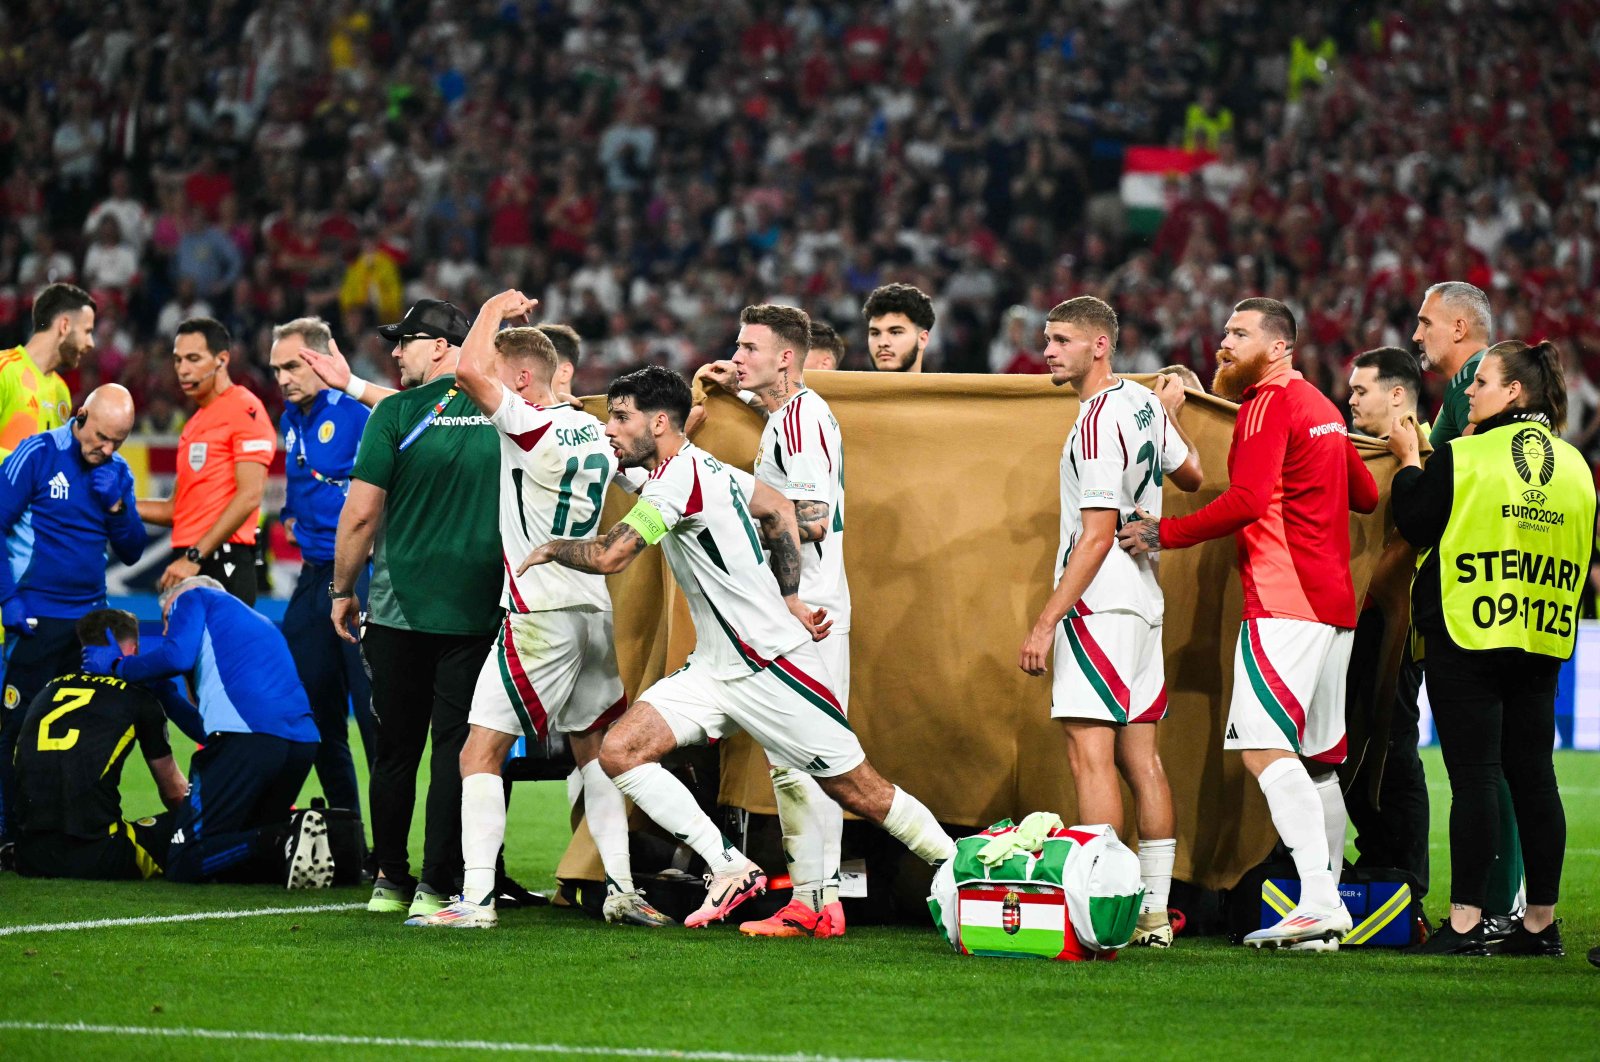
{"type": "Point", "coordinates": [497, 1046]}
{"type": "Point", "coordinates": [194, 916]}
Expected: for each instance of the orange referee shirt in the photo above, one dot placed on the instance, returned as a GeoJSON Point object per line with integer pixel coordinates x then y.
{"type": "Point", "coordinates": [231, 429]}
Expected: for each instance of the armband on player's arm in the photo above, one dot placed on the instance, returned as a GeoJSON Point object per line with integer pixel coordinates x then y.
{"type": "Point", "coordinates": [646, 519]}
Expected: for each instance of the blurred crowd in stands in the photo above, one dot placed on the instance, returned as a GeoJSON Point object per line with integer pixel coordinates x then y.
{"type": "Point", "coordinates": [649, 168]}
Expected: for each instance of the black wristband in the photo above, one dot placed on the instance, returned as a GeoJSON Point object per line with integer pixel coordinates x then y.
{"type": "Point", "coordinates": [339, 595]}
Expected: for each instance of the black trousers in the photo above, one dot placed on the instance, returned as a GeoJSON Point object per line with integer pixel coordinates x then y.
{"type": "Point", "coordinates": [1391, 831]}
{"type": "Point", "coordinates": [1495, 715]}
{"type": "Point", "coordinates": [330, 668]}
{"type": "Point", "coordinates": [234, 566]}
{"type": "Point", "coordinates": [420, 683]}
{"type": "Point", "coordinates": [241, 791]}
{"type": "Point", "coordinates": [130, 851]}
{"type": "Point", "coordinates": [31, 661]}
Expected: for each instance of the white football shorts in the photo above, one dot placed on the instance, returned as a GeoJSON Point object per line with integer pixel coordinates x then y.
{"type": "Point", "coordinates": [554, 670]}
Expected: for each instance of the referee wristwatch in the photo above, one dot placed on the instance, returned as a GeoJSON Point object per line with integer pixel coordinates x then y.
{"type": "Point", "coordinates": [192, 555]}
{"type": "Point", "coordinates": [339, 595]}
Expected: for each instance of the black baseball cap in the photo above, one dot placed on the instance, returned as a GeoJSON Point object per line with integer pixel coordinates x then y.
{"type": "Point", "coordinates": [430, 317]}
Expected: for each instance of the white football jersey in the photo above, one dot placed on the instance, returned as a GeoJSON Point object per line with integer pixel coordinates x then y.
{"type": "Point", "coordinates": [714, 548]}
{"type": "Point", "coordinates": [555, 465]}
{"type": "Point", "coordinates": [1115, 458]}
{"type": "Point", "coordinates": [802, 458]}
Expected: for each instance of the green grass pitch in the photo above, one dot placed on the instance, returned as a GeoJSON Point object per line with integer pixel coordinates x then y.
{"type": "Point", "coordinates": [556, 980]}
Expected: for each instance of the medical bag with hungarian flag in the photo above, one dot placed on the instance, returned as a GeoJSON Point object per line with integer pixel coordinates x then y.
{"type": "Point", "coordinates": [1038, 890]}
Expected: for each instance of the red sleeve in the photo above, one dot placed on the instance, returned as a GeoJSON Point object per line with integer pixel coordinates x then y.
{"type": "Point", "coordinates": [1363, 488]}
{"type": "Point", "coordinates": [1262, 433]}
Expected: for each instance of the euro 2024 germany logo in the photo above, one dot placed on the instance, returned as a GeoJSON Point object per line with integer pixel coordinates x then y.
{"type": "Point", "coordinates": [1533, 456]}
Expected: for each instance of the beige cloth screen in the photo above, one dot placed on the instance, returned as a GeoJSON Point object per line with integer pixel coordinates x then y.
{"type": "Point", "coordinates": [952, 500]}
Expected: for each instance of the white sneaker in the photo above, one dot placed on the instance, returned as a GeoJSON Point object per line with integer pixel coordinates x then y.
{"type": "Point", "coordinates": [633, 909]}
{"type": "Point", "coordinates": [1304, 925]}
{"type": "Point", "coordinates": [307, 856]}
{"type": "Point", "coordinates": [462, 914]}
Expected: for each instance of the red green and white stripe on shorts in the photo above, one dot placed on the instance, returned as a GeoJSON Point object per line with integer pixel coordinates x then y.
{"type": "Point", "coordinates": [1095, 664]}
{"type": "Point", "coordinates": [519, 688]}
{"type": "Point", "coordinates": [811, 689]}
{"type": "Point", "coordinates": [1282, 707]}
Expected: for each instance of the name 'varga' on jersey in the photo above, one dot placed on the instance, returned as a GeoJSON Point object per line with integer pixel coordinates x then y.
{"type": "Point", "coordinates": [1116, 456]}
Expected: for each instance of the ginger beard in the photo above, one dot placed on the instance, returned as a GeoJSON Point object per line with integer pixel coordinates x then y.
{"type": "Point", "coordinates": [1237, 370]}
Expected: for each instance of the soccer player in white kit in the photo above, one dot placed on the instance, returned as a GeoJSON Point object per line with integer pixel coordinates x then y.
{"type": "Point", "coordinates": [801, 457]}
{"type": "Point", "coordinates": [755, 666]}
{"type": "Point", "coordinates": [554, 664]}
{"type": "Point", "coordinates": [1104, 617]}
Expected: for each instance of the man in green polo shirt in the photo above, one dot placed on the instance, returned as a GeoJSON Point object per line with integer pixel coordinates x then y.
{"type": "Point", "coordinates": [423, 500]}
{"type": "Point", "coordinates": [1453, 330]}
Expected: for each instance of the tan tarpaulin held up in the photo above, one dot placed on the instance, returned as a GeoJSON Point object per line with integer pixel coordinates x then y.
{"type": "Point", "coordinates": [952, 501]}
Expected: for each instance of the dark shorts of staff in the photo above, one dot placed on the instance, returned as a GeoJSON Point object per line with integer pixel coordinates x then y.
{"type": "Point", "coordinates": [129, 851]}
{"type": "Point", "coordinates": [234, 566]}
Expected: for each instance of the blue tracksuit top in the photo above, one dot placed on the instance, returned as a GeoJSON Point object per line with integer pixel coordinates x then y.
{"type": "Point", "coordinates": [319, 449]}
{"type": "Point", "coordinates": [56, 530]}
{"type": "Point", "coordinates": [239, 663]}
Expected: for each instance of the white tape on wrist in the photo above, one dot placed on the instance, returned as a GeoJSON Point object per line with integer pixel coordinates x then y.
{"type": "Point", "coordinates": [356, 388]}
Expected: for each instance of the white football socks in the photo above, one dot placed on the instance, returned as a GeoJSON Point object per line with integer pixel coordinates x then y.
{"type": "Point", "coordinates": [911, 823]}
{"type": "Point", "coordinates": [1334, 820]}
{"type": "Point", "coordinates": [483, 830]}
{"type": "Point", "coordinates": [831, 815]}
{"type": "Point", "coordinates": [800, 800]}
{"type": "Point", "coordinates": [1155, 867]}
{"type": "Point", "coordinates": [607, 817]}
{"type": "Point", "coordinates": [1297, 814]}
{"type": "Point", "coordinates": [673, 807]}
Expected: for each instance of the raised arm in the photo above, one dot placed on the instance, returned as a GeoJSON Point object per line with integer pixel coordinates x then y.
{"type": "Point", "coordinates": [1188, 475]}
{"type": "Point", "coordinates": [334, 371]}
{"type": "Point", "coordinates": [474, 374]}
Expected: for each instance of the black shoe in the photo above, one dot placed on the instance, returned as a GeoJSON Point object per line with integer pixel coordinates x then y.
{"type": "Point", "coordinates": [510, 894]}
{"type": "Point", "coordinates": [1546, 942]}
{"type": "Point", "coordinates": [1497, 928]}
{"type": "Point", "coordinates": [1594, 956]}
{"type": "Point", "coordinates": [1446, 941]}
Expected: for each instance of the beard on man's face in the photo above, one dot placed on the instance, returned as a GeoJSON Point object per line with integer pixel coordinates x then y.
{"type": "Point", "coordinates": [71, 352]}
{"type": "Point", "coordinates": [1233, 379]}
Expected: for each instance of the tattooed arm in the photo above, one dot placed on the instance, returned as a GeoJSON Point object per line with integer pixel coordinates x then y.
{"type": "Point", "coordinates": [811, 516]}
{"type": "Point", "coordinates": [1141, 535]}
{"type": "Point", "coordinates": [598, 556]}
{"type": "Point", "coordinates": [780, 535]}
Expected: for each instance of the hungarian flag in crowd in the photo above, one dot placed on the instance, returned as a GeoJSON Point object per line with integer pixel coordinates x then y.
{"type": "Point", "coordinates": [1145, 171]}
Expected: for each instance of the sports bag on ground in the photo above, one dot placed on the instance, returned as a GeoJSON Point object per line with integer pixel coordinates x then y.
{"type": "Point", "coordinates": [1038, 890]}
